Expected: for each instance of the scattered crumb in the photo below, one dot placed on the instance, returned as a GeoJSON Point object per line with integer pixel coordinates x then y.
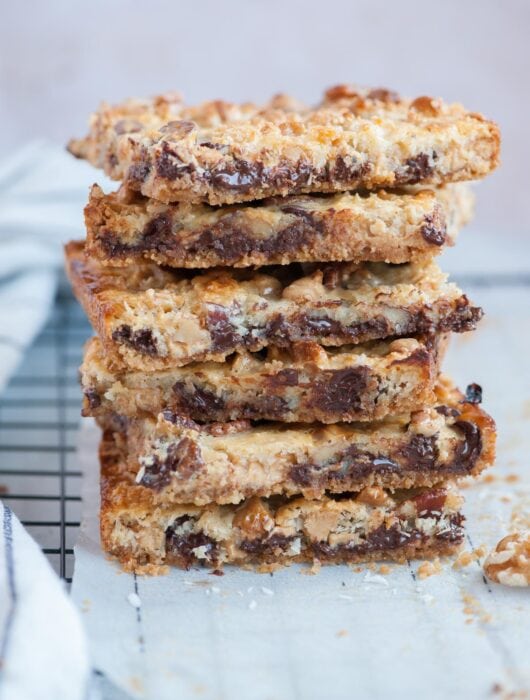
{"type": "Point", "coordinates": [489, 479]}
{"type": "Point", "coordinates": [427, 598]}
{"type": "Point", "coordinates": [217, 572]}
{"type": "Point", "coordinates": [497, 689]}
{"type": "Point", "coordinates": [85, 605]}
{"type": "Point", "coordinates": [215, 589]}
{"type": "Point", "coordinates": [512, 478]}
{"type": "Point", "coordinates": [466, 558]}
{"type": "Point", "coordinates": [384, 569]}
{"type": "Point", "coordinates": [313, 569]}
{"type": "Point", "coordinates": [267, 591]}
{"type": "Point", "coordinates": [375, 578]}
{"type": "Point", "coordinates": [252, 605]}
{"type": "Point", "coordinates": [134, 600]}
{"type": "Point", "coordinates": [342, 633]}
{"type": "Point", "coordinates": [136, 684]}
{"type": "Point", "coordinates": [474, 609]}
{"type": "Point", "coordinates": [429, 568]}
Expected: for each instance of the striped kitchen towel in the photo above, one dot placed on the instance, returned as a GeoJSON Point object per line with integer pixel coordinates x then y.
{"type": "Point", "coordinates": [43, 650]}
{"type": "Point", "coordinates": [42, 194]}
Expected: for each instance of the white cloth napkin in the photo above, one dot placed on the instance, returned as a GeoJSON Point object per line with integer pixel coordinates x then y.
{"type": "Point", "coordinates": [42, 194]}
{"type": "Point", "coordinates": [43, 649]}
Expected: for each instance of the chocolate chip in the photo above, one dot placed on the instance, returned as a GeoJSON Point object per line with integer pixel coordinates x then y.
{"type": "Point", "coordinates": [228, 242]}
{"type": "Point", "coordinates": [279, 330]}
{"type": "Point", "coordinates": [432, 232]}
{"type": "Point", "coordinates": [265, 407]}
{"type": "Point", "coordinates": [474, 393]}
{"type": "Point", "coordinates": [322, 326]}
{"type": "Point", "coordinates": [344, 171]}
{"type": "Point", "coordinates": [416, 169]}
{"type": "Point", "coordinates": [170, 166]}
{"type": "Point", "coordinates": [197, 402]}
{"type": "Point", "coordinates": [350, 466]}
{"type": "Point", "coordinates": [421, 453]}
{"type": "Point", "coordinates": [294, 237]}
{"type": "Point", "coordinates": [420, 356]}
{"type": "Point", "coordinates": [464, 318]}
{"type": "Point", "coordinates": [179, 548]}
{"type": "Point", "coordinates": [454, 532]}
{"type": "Point", "coordinates": [340, 391]}
{"type": "Point", "coordinates": [237, 175]}
{"type": "Point", "coordinates": [138, 173]}
{"type": "Point", "coordinates": [142, 340]}
{"type": "Point", "coordinates": [93, 398]}
{"type": "Point", "coordinates": [268, 546]}
{"type": "Point", "coordinates": [222, 331]}
{"type": "Point", "coordinates": [183, 458]}
{"type": "Point", "coordinates": [447, 411]}
{"type": "Point", "coordinates": [157, 231]}
{"type": "Point", "coordinates": [470, 448]}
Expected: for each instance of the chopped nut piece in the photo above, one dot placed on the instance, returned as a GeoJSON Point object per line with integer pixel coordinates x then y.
{"type": "Point", "coordinates": [509, 562]}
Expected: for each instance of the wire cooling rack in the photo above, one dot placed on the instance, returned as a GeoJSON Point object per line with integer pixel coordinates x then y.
{"type": "Point", "coordinates": [39, 417]}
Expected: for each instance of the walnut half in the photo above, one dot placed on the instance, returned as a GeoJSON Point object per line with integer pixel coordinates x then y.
{"type": "Point", "coordinates": [509, 562]}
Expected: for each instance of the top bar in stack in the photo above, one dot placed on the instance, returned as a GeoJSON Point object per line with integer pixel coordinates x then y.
{"type": "Point", "coordinates": [222, 153]}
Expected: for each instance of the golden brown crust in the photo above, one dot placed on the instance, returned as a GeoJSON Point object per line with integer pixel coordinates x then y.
{"type": "Point", "coordinates": [305, 383]}
{"type": "Point", "coordinates": [378, 227]}
{"type": "Point", "coordinates": [179, 461]}
{"type": "Point", "coordinates": [371, 525]}
{"type": "Point", "coordinates": [224, 153]}
{"type": "Point", "coordinates": [153, 318]}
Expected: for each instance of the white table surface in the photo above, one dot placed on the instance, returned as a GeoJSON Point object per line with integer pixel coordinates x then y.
{"type": "Point", "coordinates": [345, 633]}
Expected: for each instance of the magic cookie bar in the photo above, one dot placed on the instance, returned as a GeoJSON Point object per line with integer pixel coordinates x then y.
{"type": "Point", "coordinates": [379, 227]}
{"type": "Point", "coordinates": [155, 318]}
{"type": "Point", "coordinates": [181, 461]}
{"type": "Point", "coordinates": [360, 527]}
{"type": "Point", "coordinates": [222, 153]}
{"type": "Point", "coordinates": [303, 383]}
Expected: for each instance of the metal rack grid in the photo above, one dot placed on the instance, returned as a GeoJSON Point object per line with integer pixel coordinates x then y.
{"type": "Point", "coordinates": [39, 417]}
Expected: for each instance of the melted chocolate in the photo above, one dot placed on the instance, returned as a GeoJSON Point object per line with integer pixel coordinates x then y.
{"type": "Point", "coordinates": [474, 393]}
{"type": "Point", "coordinates": [341, 390]}
{"type": "Point", "coordinates": [432, 232]}
{"type": "Point", "coordinates": [196, 401]}
{"type": "Point", "coordinates": [142, 340]}
{"type": "Point", "coordinates": [183, 458]}
{"type": "Point", "coordinates": [223, 333]}
{"type": "Point", "coordinates": [179, 548]}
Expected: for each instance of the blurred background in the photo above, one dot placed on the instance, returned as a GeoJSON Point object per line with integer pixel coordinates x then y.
{"type": "Point", "coordinates": [60, 59]}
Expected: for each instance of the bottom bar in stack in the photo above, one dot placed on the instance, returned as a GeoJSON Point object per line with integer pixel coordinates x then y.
{"type": "Point", "coordinates": [177, 493]}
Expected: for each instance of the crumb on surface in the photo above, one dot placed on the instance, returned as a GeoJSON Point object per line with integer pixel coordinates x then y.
{"type": "Point", "coordinates": [429, 568]}
{"type": "Point", "coordinates": [466, 558]}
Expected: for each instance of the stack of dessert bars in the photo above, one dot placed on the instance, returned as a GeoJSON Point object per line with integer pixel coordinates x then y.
{"type": "Point", "coordinates": [270, 325]}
